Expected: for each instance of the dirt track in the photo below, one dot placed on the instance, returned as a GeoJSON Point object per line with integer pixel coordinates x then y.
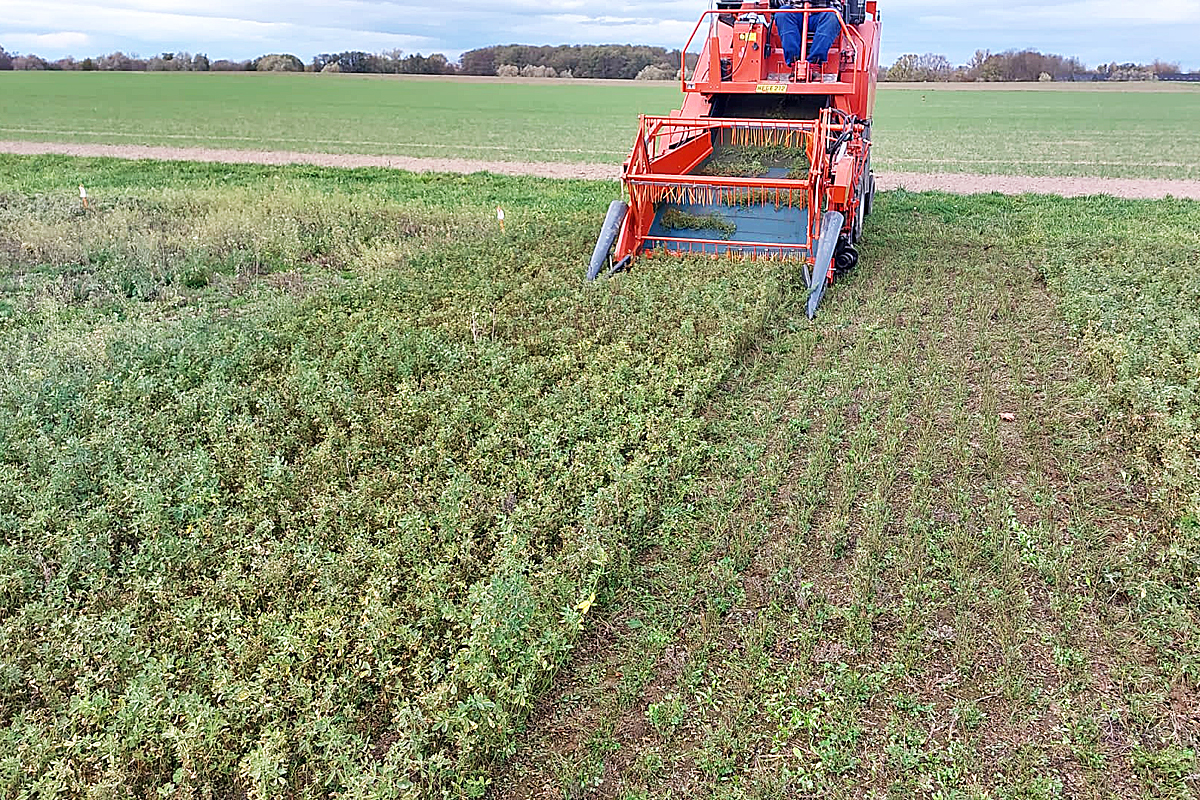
{"type": "Point", "coordinates": [954, 182]}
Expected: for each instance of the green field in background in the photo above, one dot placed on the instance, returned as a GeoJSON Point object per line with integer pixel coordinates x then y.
{"type": "Point", "coordinates": [1080, 132]}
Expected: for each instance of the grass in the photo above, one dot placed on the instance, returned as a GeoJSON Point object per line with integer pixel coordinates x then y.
{"type": "Point", "coordinates": [1114, 134]}
{"type": "Point", "coordinates": [1072, 132]}
{"type": "Point", "coordinates": [568, 121]}
{"type": "Point", "coordinates": [920, 560]}
{"type": "Point", "coordinates": [308, 486]}
{"type": "Point", "coordinates": [312, 480]}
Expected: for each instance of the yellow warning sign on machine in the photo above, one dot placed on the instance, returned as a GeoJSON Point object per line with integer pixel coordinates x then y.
{"type": "Point", "coordinates": [771, 88]}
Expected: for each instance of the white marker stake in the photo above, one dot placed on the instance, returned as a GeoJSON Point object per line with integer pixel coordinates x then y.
{"type": "Point", "coordinates": [500, 217]}
{"type": "Point", "coordinates": [83, 195]}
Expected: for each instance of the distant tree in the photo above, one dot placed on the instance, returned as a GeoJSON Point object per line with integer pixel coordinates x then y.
{"type": "Point", "coordinates": [935, 67]}
{"type": "Point", "coordinates": [30, 62]}
{"type": "Point", "coordinates": [436, 64]}
{"type": "Point", "coordinates": [87, 65]}
{"type": "Point", "coordinates": [582, 61]}
{"type": "Point", "coordinates": [6, 61]}
{"type": "Point", "coordinates": [200, 63]}
{"type": "Point", "coordinates": [170, 62]}
{"type": "Point", "coordinates": [479, 62]}
{"type": "Point", "coordinates": [540, 71]}
{"type": "Point", "coordinates": [508, 71]}
{"type": "Point", "coordinates": [1131, 72]}
{"type": "Point", "coordinates": [349, 61]}
{"type": "Point", "coordinates": [974, 67]}
{"type": "Point", "coordinates": [225, 65]}
{"type": "Point", "coordinates": [114, 62]}
{"type": "Point", "coordinates": [278, 62]}
{"type": "Point", "coordinates": [653, 72]}
{"type": "Point", "coordinates": [1024, 65]}
{"type": "Point", "coordinates": [390, 61]}
{"type": "Point", "coordinates": [906, 68]}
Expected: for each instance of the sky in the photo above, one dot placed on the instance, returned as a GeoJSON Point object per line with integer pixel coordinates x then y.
{"type": "Point", "coordinates": [1097, 31]}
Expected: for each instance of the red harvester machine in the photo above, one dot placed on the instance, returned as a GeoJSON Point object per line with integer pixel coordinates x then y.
{"type": "Point", "coordinates": [770, 155]}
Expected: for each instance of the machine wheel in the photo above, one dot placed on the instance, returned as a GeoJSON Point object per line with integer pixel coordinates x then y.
{"type": "Point", "coordinates": [869, 195]}
{"type": "Point", "coordinates": [856, 229]}
{"type": "Point", "coordinates": [845, 259]}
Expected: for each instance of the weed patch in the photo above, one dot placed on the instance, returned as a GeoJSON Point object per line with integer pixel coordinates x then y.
{"type": "Point", "coordinates": [257, 541]}
{"type": "Point", "coordinates": [1141, 331]}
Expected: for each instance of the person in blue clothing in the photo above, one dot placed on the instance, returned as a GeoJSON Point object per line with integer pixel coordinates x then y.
{"type": "Point", "coordinates": [824, 28]}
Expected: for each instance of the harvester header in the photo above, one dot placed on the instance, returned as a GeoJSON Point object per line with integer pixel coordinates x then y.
{"type": "Point", "coordinates": [769, 153]}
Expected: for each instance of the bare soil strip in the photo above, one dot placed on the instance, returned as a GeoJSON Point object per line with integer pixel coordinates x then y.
{"type": "Point", "coordinates": [230, 156]}
{"type": "Point", "coordinates": [953, 182]}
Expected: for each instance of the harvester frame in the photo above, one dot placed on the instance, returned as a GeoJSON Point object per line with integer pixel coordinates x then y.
{"type": "Point", "coordinates": [748, 90]}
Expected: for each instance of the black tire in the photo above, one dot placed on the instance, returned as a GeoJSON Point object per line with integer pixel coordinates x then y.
{"type": "Point", "coordinates": [860, 213]}
{"type": "Point", "coordinates": [845, 260]}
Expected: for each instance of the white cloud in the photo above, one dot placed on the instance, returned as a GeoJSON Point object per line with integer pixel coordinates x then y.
{"type": "Point", "coordinates": [55, 40]}
{"type": "Point", "coordinates": [1093, 29]}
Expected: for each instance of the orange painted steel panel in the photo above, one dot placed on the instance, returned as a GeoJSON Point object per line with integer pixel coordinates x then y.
{"type": "Point", "coordinates": [843, 177]}
{"type": "Point", "coordinates": [685, 157]}
{"type": "Point", "coordinates": [741, 54]}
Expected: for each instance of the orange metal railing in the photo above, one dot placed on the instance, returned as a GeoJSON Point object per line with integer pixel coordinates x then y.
{"type": "Point", "coordinates": [849, 36]}
{"type": "Point", "coordinates": [668, 148]}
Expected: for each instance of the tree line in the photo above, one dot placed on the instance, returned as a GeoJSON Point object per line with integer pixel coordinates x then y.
{"type": "Point", "coordinates": [595, 61]}
{"type": "Point", "coordinates": [1020, 66]}
{"type": "Point", "coordinates": [565, 61]}
{"type": "Point", "coordinates": [390, 62]}
{"type": "Point", "coordinates": [619, 61]}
